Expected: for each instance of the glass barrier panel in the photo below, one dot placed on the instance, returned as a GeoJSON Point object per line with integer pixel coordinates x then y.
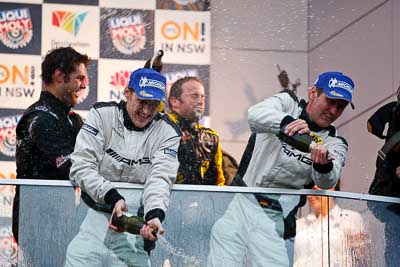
{"type": "Point", "coordinates": [202, 228]}
{"type": "Point", "coordinates": [378, 244]}
{"type": "Point", "coordinates": [347, 232]}
{"type": "Point", "coordinates": [8, 247]}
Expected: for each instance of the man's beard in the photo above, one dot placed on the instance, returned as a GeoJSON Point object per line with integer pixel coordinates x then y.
{"type": "Point", "coordinates": [70, 96]}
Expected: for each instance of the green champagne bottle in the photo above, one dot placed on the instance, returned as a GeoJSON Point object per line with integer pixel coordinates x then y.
{"type": "Point", "coordinates": [301, 142]}
{"type": "Point", "coordinates": [131, 224]}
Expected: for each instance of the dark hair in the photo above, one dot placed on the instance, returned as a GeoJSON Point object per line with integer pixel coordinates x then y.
{"type": "Point", "coordinates": [64, 58]}
{"type": "Point", "coordinates": [176, 87]}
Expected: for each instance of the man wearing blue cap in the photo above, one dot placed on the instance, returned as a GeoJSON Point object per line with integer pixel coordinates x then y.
{"type": "Point", "coordinates": [294, 145]}
{"type": "Point", "coordinates": [131, 142]}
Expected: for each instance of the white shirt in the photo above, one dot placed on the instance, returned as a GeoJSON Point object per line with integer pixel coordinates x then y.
{"type": "Point", "coordinates": [347, 239]}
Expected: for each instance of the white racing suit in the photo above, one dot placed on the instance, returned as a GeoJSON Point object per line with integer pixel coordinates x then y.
{"type": "Point", "coordinates": [109, 148]}
{"type": "Point", "coordinates": [250, 233]}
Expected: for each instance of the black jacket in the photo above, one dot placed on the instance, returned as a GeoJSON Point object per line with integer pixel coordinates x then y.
{"type": "Point", "coordinates": [386, 182]}
{"type": "Point", "coordinates": [46, 135]}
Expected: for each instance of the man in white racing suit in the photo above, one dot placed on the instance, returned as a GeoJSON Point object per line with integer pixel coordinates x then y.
{"type": "Point", "coordinates": [251, 231]}
{"type": "Point", "coordinates": [131, 142]}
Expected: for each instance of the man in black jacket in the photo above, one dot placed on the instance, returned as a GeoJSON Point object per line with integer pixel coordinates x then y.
{"type": "Point", "coordinates": [47, 130]}
{"type": "Point", "coordinates": [387, 175]}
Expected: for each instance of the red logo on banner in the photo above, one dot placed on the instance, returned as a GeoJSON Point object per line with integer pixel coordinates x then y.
{"type": "Point", "coordinates": [15, 28]}
{"type": "Point", "coordinates": [7, 134]}
{"type": "Point", "coordinates": [119, 81]}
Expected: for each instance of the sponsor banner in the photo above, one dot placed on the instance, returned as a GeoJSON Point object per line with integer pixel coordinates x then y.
{"type": "Point", "coordinates": [7, 171]}
{"type": "Point", "coordinates": [76, 2]}
{"type": "Point", "coordinates": [118, 35]}
{"type": "Point", "coordinates": [89, 96]}
{"type": "Point", "coordinates": [114, 77]}
{"type": "Point", "coordinates": [174, 72]}
{"type": "Point", "coordinates": [20, 82]}
{"type": "Point", "coordinates": [138, 4]}
{"type": "Point", "coordinates": [20, 28]}
{"type": "Point", "coordinates": [191, 5]}
{"type": "Point", "coordinates": [71, 25]}
{"type": "Point", "coordinates": [184, 36]}
{"type": "Point", "coordinates": [127, 33]}
{"type": "Point", "coordinates": [8, 123]}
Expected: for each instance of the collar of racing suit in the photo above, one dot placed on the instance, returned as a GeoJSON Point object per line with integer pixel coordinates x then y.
{"type": "Point", "coordinates": [56, 105]}
{"type": "Point", "coordinates": [128, 123]}
{"type": "Point", "coordinates": [183, 123]}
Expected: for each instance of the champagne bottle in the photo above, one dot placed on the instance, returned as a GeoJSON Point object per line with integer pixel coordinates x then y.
{"type": "Point", "coordinates": [155, 62]}
{"type": "Point", "coordinates": [301, 142]}
{"type": "Point", "coordinates": [131, 224]}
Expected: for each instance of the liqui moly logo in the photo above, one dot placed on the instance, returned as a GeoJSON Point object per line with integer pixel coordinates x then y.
{"type": "Point", "coordinates": [7, 134]}
{"type": "Point", "coordinates": [128, 33]}
{"type": "Point", "coordinates": [175, 75]}
{"type": "Point", "coordinates": [15, 28]}
{"type": "Point", "coordinates": [68, 21]}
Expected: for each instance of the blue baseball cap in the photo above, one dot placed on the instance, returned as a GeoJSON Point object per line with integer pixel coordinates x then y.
{"type": "Point", "coordinates": [148, 84]}
{"type": "Point", "coordinates": [336, 85]}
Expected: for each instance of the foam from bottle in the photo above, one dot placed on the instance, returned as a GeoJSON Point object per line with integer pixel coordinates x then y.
{"type": "Point", "coordinates": [189, 261]}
